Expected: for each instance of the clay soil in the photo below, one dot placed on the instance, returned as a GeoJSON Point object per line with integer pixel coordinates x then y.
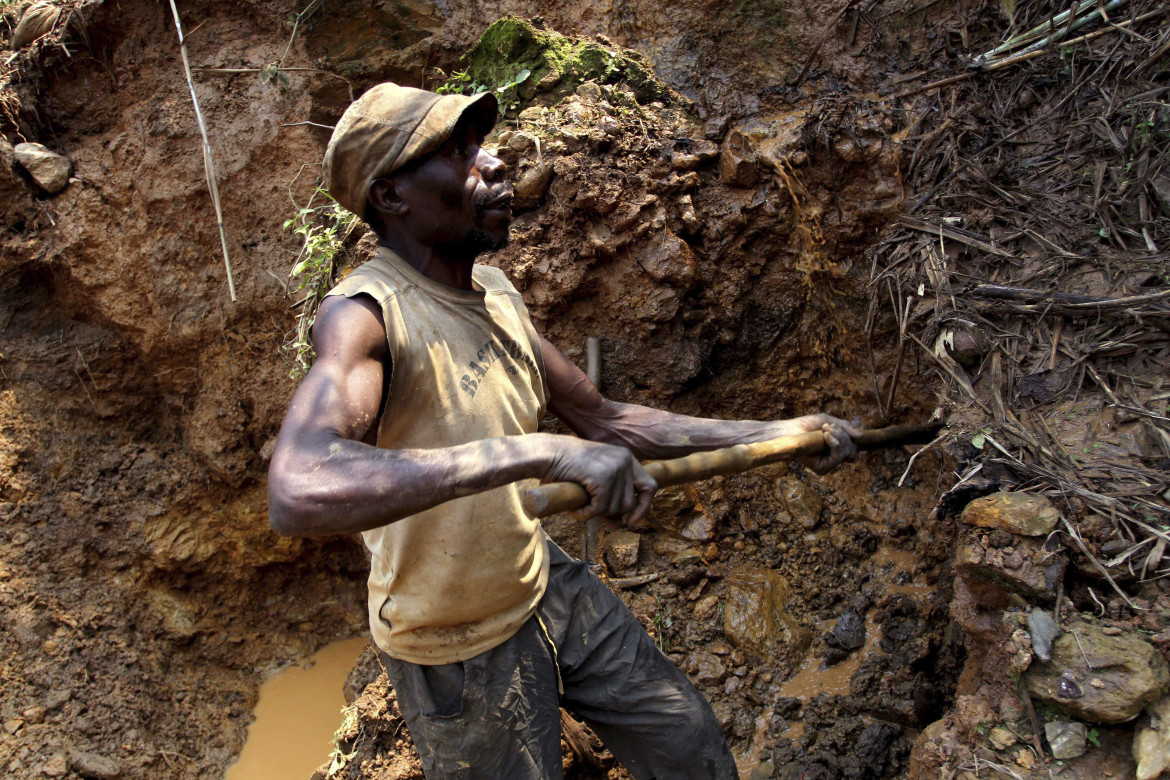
{"type": "Point", "coordinates": [721, 240]}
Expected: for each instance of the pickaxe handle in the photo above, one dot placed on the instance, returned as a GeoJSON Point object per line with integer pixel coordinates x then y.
{"type": "Point", "coordinates": [565, 496]}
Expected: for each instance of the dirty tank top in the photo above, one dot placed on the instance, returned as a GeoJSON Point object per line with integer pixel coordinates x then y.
{"type": "Point", "coordinates": [460, 578]}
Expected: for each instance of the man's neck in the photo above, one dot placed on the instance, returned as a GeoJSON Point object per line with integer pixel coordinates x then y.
{"type": "Point", "coordinates": [445, 267]}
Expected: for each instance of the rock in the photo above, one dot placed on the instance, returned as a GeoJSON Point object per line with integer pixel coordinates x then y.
{"type": "Point", "coordinates": [621, 551]}
{"type": "Point", "coordinates": [754, 616]}
{"type": "Point", "coordinates": [1067, 740]}
{"type": "Point", "coordinates": [1043, 630]}
{"type": "Point", "coordinates": [848, 633]}
{"type": "Point", "coordinates": [715, 127]}
{"type": "Point", "coordinates": [521, 141]}
{"type": "Point", "coordinates": [530, 188]}
{"type": "Point", "coordinates": [608, 125]}
{"type": "Point", "coordinates": [705, 607]}
{"type": "Point", "coordinates": [737, 162]}
{"type": "Point", "coordinates": [48, 169]}
{"type": "Point", "coordinates": [1020, 648]}
{"type": "Point", "coordinates": [94, 766]}
{"type": "Point", "coordinates": [1001, 739]}
{"type": "Point", "coordinates": [13, 725]}
{"type": "Point", "coordinates": [670, 501]}
{"type": "Point", "coordinates": [699, 528]}
{"type": "Point", "coordinates": [176, 612]}
{"type": "Point", "coordinates": [873, 745]}
{"type": "Point", "coordinates": [706, 668]}
{"type": "Point", "coordinates": [34, 714]}
{"type": "Point", "coordinates": [689, 555]}
{"type": "Point", "coordinates": [668, 259]}
{"type": "Point", "coordinates": [1025, 514]}
{"type": "Point", "coordinates": [365, 670]}
{"type": "Point", "coordinates": [803, 503]}
{"type": "Point", "coordinates": [589, 91]}
{"type": "Point", "coordinates": [705, 150]}
{"type": "Point", "coordinates": [1131, 671]}
{"type": "Point", "coordinates": [686, 212]}
{"type": "Point", "coordinates": [1151, 743]}
{"type": "Point", "coordinates": [37, 20]}
{"type": "Point", "coordinates": [1031, 569]}
{"type": "Point", "coordinates": [56, 766]}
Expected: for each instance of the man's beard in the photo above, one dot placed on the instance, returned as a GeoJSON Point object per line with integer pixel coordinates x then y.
{"type": "Point", "coordinates": [473, 243]}
{"type": "Point", "coordinates": [484, 242]}
{"type": "Point", "coordinates": [480, 239]}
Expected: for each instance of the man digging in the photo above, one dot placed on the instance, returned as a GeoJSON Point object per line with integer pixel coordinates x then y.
{"type": "Point", "coordinates": [417, 425]}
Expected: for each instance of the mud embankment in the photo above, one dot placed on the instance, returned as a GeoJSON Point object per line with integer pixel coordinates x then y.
{"type": "Point", "coordinates": [713, 235]}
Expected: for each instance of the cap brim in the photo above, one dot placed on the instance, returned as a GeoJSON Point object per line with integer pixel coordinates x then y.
{"type": "Point", "coordinates": [483, 109]}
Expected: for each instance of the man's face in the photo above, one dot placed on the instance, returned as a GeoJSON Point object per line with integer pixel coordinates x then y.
{"type": "Point", "coordinates": [459, 197]}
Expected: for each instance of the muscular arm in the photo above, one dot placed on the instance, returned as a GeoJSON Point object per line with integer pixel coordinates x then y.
{"type": "Point", "coordinates": [653, 433]}
{"type": "Point", "coordinates": [324, 480]}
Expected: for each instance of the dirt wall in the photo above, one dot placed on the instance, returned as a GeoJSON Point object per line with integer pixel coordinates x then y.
{"type": "Point", "coordinates": [143, 596]}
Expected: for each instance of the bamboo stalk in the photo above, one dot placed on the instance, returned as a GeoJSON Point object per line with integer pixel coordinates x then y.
{"type": "Point", "coordinates": [565, 496]}
{"type": "Point", "coordinates": [208, 162]}
{"type": "Point", "coordinates": [1059, 35]}
{"type": "Point", "coordinates": [1044, 30]}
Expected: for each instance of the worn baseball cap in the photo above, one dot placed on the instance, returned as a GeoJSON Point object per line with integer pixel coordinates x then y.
{"type": "Point", "coordinates": [390, 126]}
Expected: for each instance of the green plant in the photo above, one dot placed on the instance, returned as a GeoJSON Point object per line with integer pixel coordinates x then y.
{"type": "Point", "coordinates": [461, 83]}
{"type": "Point", "coordinates": [272, 73]}
{"type": "Point", "coordinates": [324, 230]}
{"type": "Point", "coordinates": [1093, 737]}
{"type": "Point", "coordinates": [662, 623]}
{"type": "Point", "coordinates": [338, 758]}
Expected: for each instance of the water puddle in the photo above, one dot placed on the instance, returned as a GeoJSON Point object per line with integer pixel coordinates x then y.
{"type": "Point", "coordinates": [748, 760]}
{"type": "Point", "coordinates": [298, 711]}
{"type": "Point", "coordinates": [811, 680]}
{"type": "Point", "coordinates": [896, 569]}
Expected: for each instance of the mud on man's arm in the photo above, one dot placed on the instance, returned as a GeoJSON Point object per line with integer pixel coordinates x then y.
{"type": "Point", "coordinates": [653, 433]}
{"type": "Point", "coordinates": [326, 477]}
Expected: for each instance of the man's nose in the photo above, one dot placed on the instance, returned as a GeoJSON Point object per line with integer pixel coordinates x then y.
{"type": "Point", "coordinates": [492, 168]}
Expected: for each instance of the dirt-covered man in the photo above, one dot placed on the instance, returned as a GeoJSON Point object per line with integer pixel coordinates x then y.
{"type": "Point", "coordinates": [417, 426]}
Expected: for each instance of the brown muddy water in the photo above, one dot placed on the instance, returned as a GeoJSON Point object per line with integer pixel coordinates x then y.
{"type": "Point", "coordinates": [298, 711]}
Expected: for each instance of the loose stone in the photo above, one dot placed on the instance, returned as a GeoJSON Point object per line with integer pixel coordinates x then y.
{"type": "Point", "coordinates": [1151, 743]}
{"type": "Point", "coordinates": [1044, 630]}
{"type": "Point", "coordinates": [1001, 738]}
{"type": "Point", "coordinates": [1025, 514]}
{"type": "Point", "coordinates": [1132, 672]}
{"type": "Point", "coordinates": [1067, 740]}
{"type": "Point", "coordinates": [48, 169]}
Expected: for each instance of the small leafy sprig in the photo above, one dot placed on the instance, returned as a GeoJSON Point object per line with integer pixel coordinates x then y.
{"type": "Point", "coordinates": [461, 83]}
{"type": "Point", "coordinates": [324, 230]}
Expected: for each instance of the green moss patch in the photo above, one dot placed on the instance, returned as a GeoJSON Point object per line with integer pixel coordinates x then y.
{"type": "Point", "coordinates": [518, 60]}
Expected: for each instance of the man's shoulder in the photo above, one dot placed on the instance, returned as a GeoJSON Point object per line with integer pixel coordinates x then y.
{"type": "Point", "coordinates": [352, 322]}
{"type": "Point", "coordinates": [493, 280]}
{"type": "Point", "coordinates": [371, 278]}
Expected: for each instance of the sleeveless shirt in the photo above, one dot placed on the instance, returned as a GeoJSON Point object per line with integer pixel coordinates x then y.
{"type": "Point", "coordinates": [460, 578]}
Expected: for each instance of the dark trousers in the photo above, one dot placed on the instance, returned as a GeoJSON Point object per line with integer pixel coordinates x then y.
{"type": "Point", "coordinates": [495, 716]}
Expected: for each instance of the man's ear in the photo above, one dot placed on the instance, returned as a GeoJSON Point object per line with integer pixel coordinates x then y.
{"type": "Point", "coordinates": [383, 196]}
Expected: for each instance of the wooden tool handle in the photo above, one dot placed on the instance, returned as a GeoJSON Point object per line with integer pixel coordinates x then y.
{"type": "Point", "coordinates": [564, 496]}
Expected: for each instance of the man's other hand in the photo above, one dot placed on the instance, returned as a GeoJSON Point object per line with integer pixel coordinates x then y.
{"type": "Point", "coordinates": [838, 436]}
{"type": "Point", "coordinates": [617, 484]}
